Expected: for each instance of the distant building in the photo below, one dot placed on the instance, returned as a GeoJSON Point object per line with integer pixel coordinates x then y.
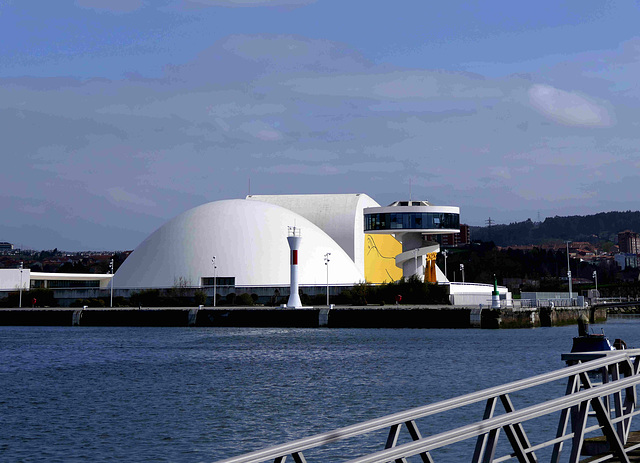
{"type": "Point", "coordinates": [629, 242]}
{"type": "Point", "coordinates": [626, 260]}
{"type": "Point", "coordinates": [11, 279]}
{"type": "Point", "coordinates": [457, 239]}
{"type": "Point", "coordinates": [4, 246]}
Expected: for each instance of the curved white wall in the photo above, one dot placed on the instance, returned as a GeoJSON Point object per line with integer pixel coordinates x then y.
{"type": "Point", "coordinates": [249, 240]}
{"type": "Point", "coordinates": [340, 216]}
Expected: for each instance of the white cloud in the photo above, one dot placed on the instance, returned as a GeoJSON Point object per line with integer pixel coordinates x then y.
{"type": "Point", "coordinates": [501, 172]}
{"type": "Point", "coordinates": [286, 53]}
{"type": "Point", "coordinates": [196, 106]}
{"type": "Point", "coordinates": [118, 6]}
{"type": "Point", "coordinates": [334, 169]}
{"type": "Point", "coordinates": [568, 108]}
{"type": "Point", "coordinates": [301, 154]}
{"type": "Point", "coordinates": [398, 85]}
{"type": "Point", "coordinates": [250, 3]}
{"type": "Point", "coordinates": [39, 209]}
{"type": "Point", "coordinates": [408, 86]}
{"type": "Point", "coordinates": [308, 116]}
{"type": "Point", "coordinates": [577, 151]}
{"type": "Point", "coordinates": [260, 130]}
{"type": "Point", "coordinates": [119, 194]}
{"type": "Point", "coordinates": [233, 109]}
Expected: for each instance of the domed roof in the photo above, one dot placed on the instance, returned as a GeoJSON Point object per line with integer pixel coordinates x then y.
{"type": "Point", "coordinates": [249, 240]}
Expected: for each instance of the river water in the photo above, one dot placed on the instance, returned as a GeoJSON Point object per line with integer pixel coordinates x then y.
{"type": "Point", "coordinates": [76, 394]}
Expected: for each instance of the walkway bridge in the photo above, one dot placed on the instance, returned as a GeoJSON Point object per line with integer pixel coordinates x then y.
{"type": "Point", "coordinates": [599, 400]}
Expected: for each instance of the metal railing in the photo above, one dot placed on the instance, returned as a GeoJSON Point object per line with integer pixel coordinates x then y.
{"type": "Point", "coordinates": [556, 302]}
{"type": "Point", "coordinates": [615, 300]}
{"type": "Point", "coordinates": [618, 370]}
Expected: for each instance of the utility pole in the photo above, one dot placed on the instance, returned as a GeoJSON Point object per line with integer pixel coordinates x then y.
{"type": "Point", "coordinates": [20, 301]}
{"type": "Point", "coordinates": [111, 271]}
{"type": "Point", "coordinates": [489, 223]}
{"type": "Point", "coordinates": [326, 262]}
{"type": "Point", "coordinates": [444, 253]}
{"type": "Point", "coordinates": [569, 276]}
{"type": "Point", "coordinates": [214, 279]}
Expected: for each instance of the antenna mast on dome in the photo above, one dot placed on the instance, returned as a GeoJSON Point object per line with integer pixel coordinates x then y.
{"type": "Point", "coordinates": [409, 188]}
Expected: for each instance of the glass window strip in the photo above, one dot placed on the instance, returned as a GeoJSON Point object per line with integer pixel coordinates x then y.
{"type": "Point", "coordinates": [411, 220]}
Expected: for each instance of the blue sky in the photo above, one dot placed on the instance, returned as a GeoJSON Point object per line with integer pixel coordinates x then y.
{"type": "Point", "coordinates": [117, 115]}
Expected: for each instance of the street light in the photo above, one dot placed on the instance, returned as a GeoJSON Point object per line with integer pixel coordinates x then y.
{"type": "Point", "coordinates": [595, 276]}
{"type": "Point", "coordinates": [213, 261]}
{"type": "Point", "coordinates": [569, 275]}
{"type": "Point", "coordinates": [326, 262]}
{"type": "Point", "coordinates": [444, 253]}
{"type": "Point", "coordinates": [20, 301]}
{"type": "Point", "coordinates": [462, 270]}
{"type": "Point", "coordinates": [111, 271]}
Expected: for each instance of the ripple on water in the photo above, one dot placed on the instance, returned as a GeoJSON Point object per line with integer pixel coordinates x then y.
{"type": "Point", "coordinates": [203, 394]}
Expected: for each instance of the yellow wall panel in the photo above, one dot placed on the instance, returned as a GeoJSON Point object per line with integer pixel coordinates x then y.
{"type": "Point", "coordinates": [380, 253]}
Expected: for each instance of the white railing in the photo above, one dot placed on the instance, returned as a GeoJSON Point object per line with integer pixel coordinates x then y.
{"type": "Point", "coordinates": [622, 372]}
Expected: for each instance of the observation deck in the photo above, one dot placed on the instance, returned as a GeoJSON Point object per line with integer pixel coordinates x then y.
{"type": "Point", "coordinates": [412, 217]}
{"type": "Point", "coordinates": [411, 222]}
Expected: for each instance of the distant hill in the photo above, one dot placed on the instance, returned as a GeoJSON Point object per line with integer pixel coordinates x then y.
{"type": "Point", "coordinates": [604, 226]}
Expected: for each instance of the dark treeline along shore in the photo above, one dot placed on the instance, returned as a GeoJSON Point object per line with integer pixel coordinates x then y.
{"type": "Point", "coordinates": [596, 228]}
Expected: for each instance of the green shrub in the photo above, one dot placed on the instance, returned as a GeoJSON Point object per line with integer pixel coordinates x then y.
{"type": "Point", "coordinates": [244, 299]}
{"type": "Point", "coordinates": [146, 297]}
{"type": "Point", "coordinates": [199, 297]}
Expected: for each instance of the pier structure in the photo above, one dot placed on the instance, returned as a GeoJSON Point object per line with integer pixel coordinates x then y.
{"type": "Point", "coordinates": [600, 398]}
{"type": "Point", "coordinates": [402, 316]}
{"type": "Point", "coordinates": [414, 223]}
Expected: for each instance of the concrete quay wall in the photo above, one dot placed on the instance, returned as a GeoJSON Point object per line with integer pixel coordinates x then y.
{"type": "Point", "coordinates": [308, 317]}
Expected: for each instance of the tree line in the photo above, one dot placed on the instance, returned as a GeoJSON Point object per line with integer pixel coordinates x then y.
{"type": "Point", "coordinates": [597, 228]}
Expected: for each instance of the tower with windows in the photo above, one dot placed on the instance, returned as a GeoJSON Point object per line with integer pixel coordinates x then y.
{"type": "Point", "coordinates": [414, 224]}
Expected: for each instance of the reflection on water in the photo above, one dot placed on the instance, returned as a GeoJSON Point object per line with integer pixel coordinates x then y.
{"type": "Point", "coordinates": [203, 394]}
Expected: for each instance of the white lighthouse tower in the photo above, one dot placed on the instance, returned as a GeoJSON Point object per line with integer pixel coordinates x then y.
{"type": "Point", "coordinates": [294, 239]}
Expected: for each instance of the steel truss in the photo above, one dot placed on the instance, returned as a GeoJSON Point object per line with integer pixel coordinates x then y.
{"type": "Point", "coordinates": [617, 372]}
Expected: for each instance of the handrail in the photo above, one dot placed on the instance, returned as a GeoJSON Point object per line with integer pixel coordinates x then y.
{"type": "Point", "coordinates": [395, 419]}
{"type": "Point", "coordinates": [484, 426]}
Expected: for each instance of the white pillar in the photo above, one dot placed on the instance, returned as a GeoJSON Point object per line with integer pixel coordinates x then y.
{"type": "Point", "coordinates": [294, 245]}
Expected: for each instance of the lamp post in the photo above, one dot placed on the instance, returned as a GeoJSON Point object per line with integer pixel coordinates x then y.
{"type": "Point", "coordinates": [569, 275]}
{"type": "Point", "coordinates": [213, 261]}
{"type": "Point", "coordinates": [20, 301]}
{"type": "Point", "coordinates": [326, 262]}
{"type": "Point", "coordinates": [462, 270]}
{"type": "Point", "coordinates": [595, 277]}
{"type": "Point", "coordinates": [444, 253]}
{"type": "Point", "coordinates": [111, 271]}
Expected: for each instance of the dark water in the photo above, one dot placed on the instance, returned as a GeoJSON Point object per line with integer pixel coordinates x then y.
{"type": "Point", "coordinates": [198, 394]}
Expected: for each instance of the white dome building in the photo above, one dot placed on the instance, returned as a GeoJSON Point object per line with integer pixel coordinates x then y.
{"type": "Point", "coordinates": [341, 216]}
{"type": "Point", "coordinates": [249, 241]}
